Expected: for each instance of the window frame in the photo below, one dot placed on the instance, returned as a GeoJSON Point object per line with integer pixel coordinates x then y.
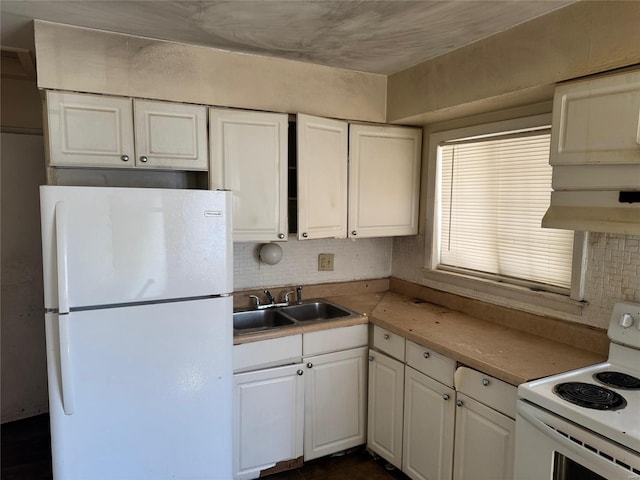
{"type": "Point", "coordinates": [490, 287]}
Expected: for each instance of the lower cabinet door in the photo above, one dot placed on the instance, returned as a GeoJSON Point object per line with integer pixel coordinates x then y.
{"type": "Point", "coordinates": [485, 440]}
{"type": "Point", "coordinates": [335, 402]}
{"type": "Point", "coordinates": [268, 418]}
{"type": "Point", "coordinates": [386, 392]}
{"type": "Point", "coordinates": [429, 414]}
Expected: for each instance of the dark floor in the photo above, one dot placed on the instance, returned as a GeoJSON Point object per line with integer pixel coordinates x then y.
{"type": "Point", "coordinates": [26, 455]}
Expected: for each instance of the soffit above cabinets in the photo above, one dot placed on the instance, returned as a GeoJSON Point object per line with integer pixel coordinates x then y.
{"type": "Point", "coordinates": [381, 37]}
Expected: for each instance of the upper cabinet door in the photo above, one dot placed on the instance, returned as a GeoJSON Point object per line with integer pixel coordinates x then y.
{"type": "Point", "coordinates": [89, 130]}
{"type": "Point", "coordinates": [322, 177]}
{"type": "Point", "coordinates": [249, 157]}
{"type": "Point", "coordinates": [384, 180]}
{"type": "Point", "coordinates": [170, 135]}
{"type": "Point", "coordinates": [597, 121]}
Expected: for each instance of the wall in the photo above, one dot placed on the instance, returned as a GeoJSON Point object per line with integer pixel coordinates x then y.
{"type": "Point", "coordinates": [519, 65]}
{"type": "Point", "coordinates": [24, 376]}
{"type": "Point", "coordinates": [86, 60]}
{"type": "Point", "coordinates": [362, 259]}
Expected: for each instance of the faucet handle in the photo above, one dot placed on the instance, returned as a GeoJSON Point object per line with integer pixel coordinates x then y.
{"type": "Point", "coordinates": [299, 294]}
{"type": "Point", "coordinates": [255, 299]}
{"type": "Point", "coordinates": [286, 295]}
{"type": "Point", "coordinates": [269, 296]}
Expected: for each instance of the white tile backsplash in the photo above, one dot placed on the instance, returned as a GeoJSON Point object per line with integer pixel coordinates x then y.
{"type": "Point", "coordinates": [613, 272]}
{"type": "Point", "coordinates": [361, 259]}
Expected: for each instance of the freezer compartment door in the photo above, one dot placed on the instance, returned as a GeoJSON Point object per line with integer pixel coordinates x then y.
{"type": "Point", "coordinates": [104, 246]}
{"type": "Point", "coordinates": [150, 389]}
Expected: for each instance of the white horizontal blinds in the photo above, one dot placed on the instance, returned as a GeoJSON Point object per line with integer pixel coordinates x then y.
{"type": "Point", "coordinates": [494, 194]}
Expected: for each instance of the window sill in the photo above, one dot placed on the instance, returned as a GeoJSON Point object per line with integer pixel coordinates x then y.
{"type": "Point", "coordinates": [512, 296]}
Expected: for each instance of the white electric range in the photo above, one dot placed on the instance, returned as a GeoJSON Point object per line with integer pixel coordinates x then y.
{"type": "Point", "coordinates": [585, 424]}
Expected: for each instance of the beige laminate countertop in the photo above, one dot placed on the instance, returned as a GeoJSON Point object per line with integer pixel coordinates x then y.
{"type": "Point", "coordinates": [511, 355]}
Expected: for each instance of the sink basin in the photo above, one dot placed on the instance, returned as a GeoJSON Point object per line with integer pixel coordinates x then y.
{"type": "Point", "coordinates": [260, 319]}
{"type": "Point", "coordinates": [315, 311]}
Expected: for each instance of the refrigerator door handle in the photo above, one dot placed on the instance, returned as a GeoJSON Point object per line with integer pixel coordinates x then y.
{"type": "Point", "coordinates": [68, 394]}
{"type": "Point", "coordinates": [61, 257]}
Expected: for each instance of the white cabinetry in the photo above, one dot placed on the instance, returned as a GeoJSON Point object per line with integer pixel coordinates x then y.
{"type": "Point", "coordinates": [595, 154]}
{"type": "Point", "coordinates": [268, 418]}
{"type": "Point", "coordinates": [335, 390]}
{"type": "Point", "coordinates": [249, 157]}
{"type": "Point", "coordinates": [429, 414]}
{"type": "Point", "coordinates": [115, 132]}
{"type": "Point", "coordinates": [384, 180]}
{"type": "Point", "coordinates": [322, 177]}
{"type": "Point", "coordinates": [386, 392]}
{"type": "Point", "coordinates": [386, 395]}
{"type": "Point", "coordinates": [381, 197]}
{"type": "Point", "coordinates": [268, 404]}
{"type": "Point", "coordinates": [485, 432]}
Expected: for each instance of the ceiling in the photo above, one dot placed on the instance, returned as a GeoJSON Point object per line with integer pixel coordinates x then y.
{"type": "Point", "coordinates": [371, 36]}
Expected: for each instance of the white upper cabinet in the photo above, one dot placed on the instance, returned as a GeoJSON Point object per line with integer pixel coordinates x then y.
{"type": "Point", "coordinates": [249, 157]}
{"type": "Point", "coordinates": [89, 130]}
{"type": "Point", "coordinates": [170, 135]}
{"type": "Point", "coordinates": [101, 131]}
{"type": "Point", "coordinates": [597, 121]}
{"type": "Point", "coordinates": [322, 177]}
{"type": "Point", "coordinates": [384, 180]}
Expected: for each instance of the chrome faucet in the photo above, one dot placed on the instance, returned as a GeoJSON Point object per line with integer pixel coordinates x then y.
{"type": "Point", "coordinates": [272, 301]}
{"type": "Point", "coordinates": [270, 297]}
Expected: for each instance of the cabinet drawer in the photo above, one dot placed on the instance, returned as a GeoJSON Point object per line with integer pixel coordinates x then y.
{"type": "Point", "coordinates": [431, 363]}
{"type": "Point", "coordinates": [267, 353]}
{"type": "Point", "coordinates": [488, 390]}
{"type": "Point", "coordinates": [334, 339]}
{"type": "Point", "coordinates": [388, 342]}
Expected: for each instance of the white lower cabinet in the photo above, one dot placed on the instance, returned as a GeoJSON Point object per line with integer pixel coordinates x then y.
{"type": "Point", "coordinates": [484, 442]}
{"type": "Point", "coordinates": [386, 393]}
{"type": "Point", "coordinates": [429, 415]}
{"type": "Point", "coordinates": [485, 427]}
{"type": "Point", "coordinates": [335, 402]}
{"type": "Point", "coordinates": [419, 422]}
{"type": "Point", "coordinates": [268, 418]}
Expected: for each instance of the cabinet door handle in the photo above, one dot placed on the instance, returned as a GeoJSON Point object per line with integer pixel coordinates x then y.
{"type": "Point", "coordinates": [426, 354]}
{"type": "Point", "coordinates": [371, 358]}
{"type": "Point", "coordinates": [485, 382]}
{"type": "Point", "coordinates": [309, 365]}
{"type": "Point", "coordinates": [305, 235]}
{"type": "Point", "coordinates": [386, 336]}
{"type": "Point", "coordinates": [354, 233]}
{"type": "Point", "coordinates": [300, 372]}
{"type": "Point", "coordinates": [144, 159]}
{"type": "Point", "coordinates": [124, 158]}
{"type": "Point", "coordinates": [459, 403]}
{"type": "Point", "coordinates": [445, 396]}
{"type": "Point", "coordinates": [281, 236]}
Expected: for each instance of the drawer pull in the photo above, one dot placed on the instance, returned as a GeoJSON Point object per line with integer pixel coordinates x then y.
{"type": "Point", "coordinates": [309, 365]}
{"type": "Point", "coordinates": [426, 354]}
{"type": "Point", "coordinates": [485, 382]}
{"type": "Point", "coordinates": [445, 396]}
{"type": "Point", "coordinates": [386, 336]}
{"type": "Point", "coordinates": [459, 403]}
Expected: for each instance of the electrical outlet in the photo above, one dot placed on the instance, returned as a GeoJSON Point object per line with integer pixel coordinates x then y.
{"type": "Point", "coordinates": [325, 262]}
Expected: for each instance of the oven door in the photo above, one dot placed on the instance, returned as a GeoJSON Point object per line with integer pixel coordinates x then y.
{"type": "Point", "coordinates": [548, 447]}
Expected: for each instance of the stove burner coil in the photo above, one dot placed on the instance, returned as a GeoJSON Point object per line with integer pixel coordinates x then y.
{"type": "Point", "coordinates": [590, 396]}
{"type": "Point", "coordinates": [618, 380]}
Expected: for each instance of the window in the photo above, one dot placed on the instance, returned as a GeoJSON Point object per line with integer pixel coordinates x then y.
{"type": "Point", "coordinates": [491, 187]}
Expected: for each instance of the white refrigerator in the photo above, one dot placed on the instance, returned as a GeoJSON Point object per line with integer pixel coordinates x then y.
{"type": "Point", "coordinates": [139, 332]}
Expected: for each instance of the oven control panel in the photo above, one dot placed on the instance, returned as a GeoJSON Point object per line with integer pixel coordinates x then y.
{"type": "Point", "coordinates": [624, 326]}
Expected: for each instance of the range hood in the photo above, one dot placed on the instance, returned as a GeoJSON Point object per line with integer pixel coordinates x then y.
{"type": "Point", "coordinates": [595, 155]}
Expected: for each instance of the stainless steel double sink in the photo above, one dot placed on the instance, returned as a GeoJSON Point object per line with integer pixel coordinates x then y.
{"type": "Point", "coordinates": [288, 316]}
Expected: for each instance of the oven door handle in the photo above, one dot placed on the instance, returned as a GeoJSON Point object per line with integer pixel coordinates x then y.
{"type": "Point", "coordinates": [584, 454]}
